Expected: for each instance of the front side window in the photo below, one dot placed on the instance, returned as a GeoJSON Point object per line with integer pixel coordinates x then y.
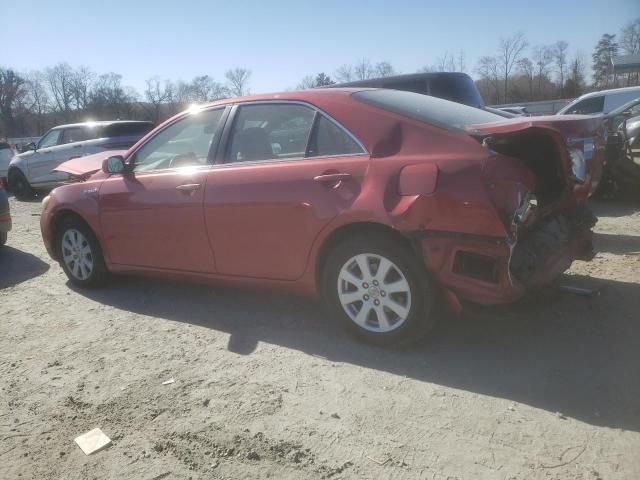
{"type": "Point", "coordinates": [50, 139]}
{"type": "Point", "coordinates": [187, 142]}
{"type": "Point", "coordinates": [269, 132]}
{"type": "Point", "coordinates": [328, 139]}
{"type": "Point", "coordinates": [587, 106]}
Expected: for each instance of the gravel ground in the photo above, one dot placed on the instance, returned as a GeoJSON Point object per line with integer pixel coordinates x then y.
{"type": "Point", "coordinates": [267, 387]}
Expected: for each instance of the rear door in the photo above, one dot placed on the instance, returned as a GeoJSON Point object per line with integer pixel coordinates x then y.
{"type": "Point", "coordinates": [288, 170]}
{"type": "Point", "coordinates": [153, 216]}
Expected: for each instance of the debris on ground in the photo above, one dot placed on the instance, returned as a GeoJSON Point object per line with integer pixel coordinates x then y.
{"type": "Point", "coordinates": [92, 441]}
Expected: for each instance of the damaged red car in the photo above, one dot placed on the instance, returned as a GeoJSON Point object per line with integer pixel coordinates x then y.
{"type": "Point", "coordinates": [381, 202]}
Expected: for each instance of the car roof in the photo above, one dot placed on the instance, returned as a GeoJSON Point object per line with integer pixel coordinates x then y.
{"type": "Point", "coordinates": [99, 123]}
{"type": "Point", "coordinates": [611, 91]}
{"type": "Point", "coordinates": [292, 96]}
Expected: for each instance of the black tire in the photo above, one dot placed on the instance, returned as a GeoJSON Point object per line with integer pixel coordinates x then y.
{"type": "Point", "coordinates": [420, 318]}
{"type": "Point", "coordinates": [98, 273]}
{"type": "Point", "coordinates": [3, 238]}
{"type": "Point", "coordinates": [19, 185]}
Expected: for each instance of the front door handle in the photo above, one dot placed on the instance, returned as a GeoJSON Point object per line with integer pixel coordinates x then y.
{"type": "Point", "coordinates": [332, 177]}
{"type": "Point", "coordinates": [189, 188]}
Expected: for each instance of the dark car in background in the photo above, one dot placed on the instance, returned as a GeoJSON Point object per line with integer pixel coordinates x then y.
{"type": "Point", "coordinates": [453, 86]}
{"type": "Point", "coordinates": [34, 169]}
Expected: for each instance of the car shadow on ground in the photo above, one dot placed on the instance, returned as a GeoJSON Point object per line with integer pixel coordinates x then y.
{"type": "Point", "coordinates": [563, 353]}
{"type": "Point", "coordinates": [618, 244]}
{"type": "Point", "coordinates": [17, 266]}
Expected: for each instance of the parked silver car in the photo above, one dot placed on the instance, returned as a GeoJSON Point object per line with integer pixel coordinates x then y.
{"type": "Point", "coordinates": [33, 170]}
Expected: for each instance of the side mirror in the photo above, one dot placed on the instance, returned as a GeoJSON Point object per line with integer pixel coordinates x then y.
{"type": "Point", "coordinates": [113, 164]}
{"type": "Point", "coordinates": [29, 146]}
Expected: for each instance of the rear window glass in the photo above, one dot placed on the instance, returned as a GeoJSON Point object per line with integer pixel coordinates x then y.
{"type": "Point", "coordinates": [126, 129]}
{"type": "Point", "coordinates": [432, 110]}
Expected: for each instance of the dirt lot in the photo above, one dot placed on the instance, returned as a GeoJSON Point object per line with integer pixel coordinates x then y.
{"type": "Point", "coordinates": [267, 387]}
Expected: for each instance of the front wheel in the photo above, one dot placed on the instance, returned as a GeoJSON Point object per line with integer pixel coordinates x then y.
{"type": "Point", "coordinates": [19, 185]}
{"type": "Point", "coordinates": [80, 254]}
{"type": "Point", "coordinates": [379, 290]}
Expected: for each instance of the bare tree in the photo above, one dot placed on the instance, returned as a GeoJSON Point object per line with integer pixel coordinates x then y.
{"type": "Point", "coordinates": [306, 83]}
{"type": "Point", "coordinates": [488, 70]}
{"type": "Point", "coordinates": [509, 51]}
{"type": "Point", "coordinates": [462, 64]}
{"type": "Point", "coordinates": [60, 80]}
{"type": "Point", "coordinates": [81, 81]}
{"type": "Point", "coordinates": [238, 80]}
{"type": "Point", "coordinates": [576, 75]}
{"type": "Point", "coordinates": [560, 59]}
{"type": "Point", "coordinates": [384, 69]}
{"type": "Point", "coordinates": [363, 70]}
{"type": "Point", "coordinates": [37, 100]}
{"type": "Point", "coordinates": [542, 58]}
{"type": "Point", "coordinates": [204, 89]}
{"type": "Point", "coordinates": [157, 93]}
{"type": "Point", "coordinates": [527, 68]}
{"type": "Point", "coordinates": [344, 73]}
{"type": "Point", "coordinates": [630, 37]}
{"type": "Point", "coordinates": [11, 92]}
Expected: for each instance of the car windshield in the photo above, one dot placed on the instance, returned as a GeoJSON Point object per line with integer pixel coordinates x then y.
{"type": "Point", "coordinates": [424, 108]}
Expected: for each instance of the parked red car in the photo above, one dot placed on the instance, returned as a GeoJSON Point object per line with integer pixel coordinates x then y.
{"type": "Point", "coordinates": [379, 201]}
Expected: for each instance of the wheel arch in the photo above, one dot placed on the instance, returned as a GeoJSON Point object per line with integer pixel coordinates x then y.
{"type": "Point", "coordinates": [59, 217]}
{"type": "Point", "coordinates": [343, 232]}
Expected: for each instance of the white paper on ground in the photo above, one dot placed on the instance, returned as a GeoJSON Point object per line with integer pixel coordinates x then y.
{"type": "Point", "coordinates": [92, 441]}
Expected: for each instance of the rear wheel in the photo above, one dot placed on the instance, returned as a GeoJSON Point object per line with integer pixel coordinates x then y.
{"type": "Point", "coordinates": [19, 185]}
{"type": "Point", "coordinates": [379, 290]}
{"type": "Point", "coordinates": [80, 254]}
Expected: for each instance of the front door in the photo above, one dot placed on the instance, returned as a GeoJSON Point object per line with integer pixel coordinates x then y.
{"type": "Point", "coordinates": [153, 216]}
{"type": "Point", "coordinates": [288, 171]}
{"type": "Point", "coordinates": [43, 160]}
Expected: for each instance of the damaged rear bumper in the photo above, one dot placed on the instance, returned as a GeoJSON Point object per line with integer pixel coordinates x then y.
{"type": "Point", "coordinates": [493, 270]}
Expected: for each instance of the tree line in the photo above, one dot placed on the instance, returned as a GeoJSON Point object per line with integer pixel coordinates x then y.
{"type": "Point", "coordinates": [32, 102]}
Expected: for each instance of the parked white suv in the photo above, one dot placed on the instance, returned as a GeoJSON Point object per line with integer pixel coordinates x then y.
{"type": "Point", "coordinates": [601, 102]}
{"type": "Point", "coordinates": [33, 170]}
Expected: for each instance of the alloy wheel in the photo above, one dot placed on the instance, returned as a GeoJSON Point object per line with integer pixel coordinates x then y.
{"type": "Point", "coordinates": [374, 292]}
{"type": "Point", "coordinates": [77, 254]}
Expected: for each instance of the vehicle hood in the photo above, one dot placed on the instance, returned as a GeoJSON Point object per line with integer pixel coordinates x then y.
{"type": "Point", "coordinates": [86, 166]}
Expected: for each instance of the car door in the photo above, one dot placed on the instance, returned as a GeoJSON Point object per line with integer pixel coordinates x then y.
{"type": "Point", "coordinates": [70, 145]}
{"type": "Point", "coordinates": [152, 217]}
{"type": "Point", "coordinates": [288, 171]}
{"type": "Point", "coordinates": [42, 160]}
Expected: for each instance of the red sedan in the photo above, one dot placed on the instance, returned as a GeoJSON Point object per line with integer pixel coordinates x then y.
{"type": "Point", "coordinates": [379, 201]}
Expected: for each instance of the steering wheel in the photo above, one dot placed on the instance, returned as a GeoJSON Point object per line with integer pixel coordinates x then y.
{"type": "Point", "coordinates": [183, 160]}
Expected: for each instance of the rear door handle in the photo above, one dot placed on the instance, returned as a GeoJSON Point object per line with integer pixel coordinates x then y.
{"type": "Point", "coordinates": [332, 177]}
{"type": "Point", "coordinates": [188, 187]}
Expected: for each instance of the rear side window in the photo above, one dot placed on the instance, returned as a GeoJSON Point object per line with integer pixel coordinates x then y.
{"type": "Point", "coordinates": [328, 139]}
{"type": "Point", "coordinates": [126, 129]}
{"type": "Point", "coordinates": [74, 134]}
{"type": "Point", "coordinates": [427, 109]}
{"type": "Point", "coordinates": [587, 106]}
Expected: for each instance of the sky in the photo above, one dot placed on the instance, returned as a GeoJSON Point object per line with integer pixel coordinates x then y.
{"type": "Point", "coordinates": [281, 41]}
